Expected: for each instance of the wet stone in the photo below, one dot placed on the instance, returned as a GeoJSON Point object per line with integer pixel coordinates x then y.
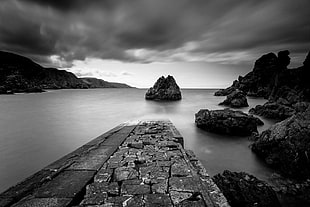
{"type": "Point", "coordinates": [103, 175]}
{"type": "Point", "coordinates": [135, 201]}
{"type": "Point", "coordinates": [185, 184]}
{"type": "Point", "coordinates": [161, 186]}
{"type": "Point", "coordinates": [180, 169]}
{"type": "Point", "coordinates": [117, 201]}
{"type": "Point", "coordinates": [66, 184]}
{"type": "Point", "coordinates": [125, 173]}
{"type": "Point", "coordinates": [152, 200]}
{"type": "Point", "coordinates": [191, 203]}
{"type": "Point", "coordinates": [177, 197]}
{"type": "Point", "coordinates": [164, 163]}
{"type": "Point", "coordinates": [135, 189]}
{"type": "Point", "coordinates": [38, 202]}
{"type": "Point", "coordinates": [137, 145]}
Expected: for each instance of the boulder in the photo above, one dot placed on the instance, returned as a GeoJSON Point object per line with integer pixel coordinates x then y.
{"type": "Point", "coordinates": [273, 110]}
{"type": "Point", "coordinates": [164, 89]}
{"type": "Point", "coordinates": [227, 121]}
{"type": "Point", "coordinates": [236, 99]}
{"type": "Point", "coordinates": [244, 190]}
{"type": "Point", "coordinates": [286, 145]}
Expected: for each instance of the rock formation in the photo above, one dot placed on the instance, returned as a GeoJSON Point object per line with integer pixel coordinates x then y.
{"type": "Point", "coordinates": [286, 145]}
{"type": "Point", "coordinates": [164, 89]}
{"type": "Point", "coordinates": [229, 90]}
{"type": "Point", "coordinates": [271, 79]}
{"type": "Point", "coordinates": [236, 99]}
{"type": "Point", "coordinates": [227, 121]}
{"type": "Point", "coordinates": [243, 189]}
{"type": "Point", "coordinates": [273, 110]}
{"type": "Point", "coordinates": [20, 74]}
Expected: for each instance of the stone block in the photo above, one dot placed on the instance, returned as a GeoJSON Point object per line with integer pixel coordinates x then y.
{"type": "Point", "coordinates": [152, 200]}
{"type": "Point", "coordinates": [185, 184]}
{"type": "Point", "coordinates": [66, 185]}
{"type": "Point", "coordinates": [39, 202]}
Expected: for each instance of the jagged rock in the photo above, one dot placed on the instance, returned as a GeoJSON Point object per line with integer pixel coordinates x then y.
{"type": "Point", "coordinates": [229, 90]}
{"type": "Point", "coordinates": [306, 63]}
{"type": "Point", "coordinates": [164, 89]}
{"type": "Point", "coordinates": [301, 106]}
{"type": "Point", "coordinates": [285, 146]}
{"type": "Point", "coordinates": [284, 59]}
{"type": "Point", "coordinates": [227, 121]}
{"type": "Point", "coordinates": [273, 110]}
{"type": "Point", "coordinates": [271, 79]}
{"type": "Point", "coordinates": [236, 99]}
{"type": "Point", "coordinates": [243, 189]}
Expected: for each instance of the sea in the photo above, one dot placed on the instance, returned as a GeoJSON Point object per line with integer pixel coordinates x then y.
{"type": "Point", "coordinates": [39, 128]}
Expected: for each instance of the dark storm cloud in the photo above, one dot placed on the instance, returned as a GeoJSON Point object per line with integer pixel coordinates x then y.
{"type": "Point", "coordinates": [147, 30]}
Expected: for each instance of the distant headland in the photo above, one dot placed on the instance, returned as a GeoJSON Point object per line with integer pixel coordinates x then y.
{"type": "Point", "coordinates": [19, 74]}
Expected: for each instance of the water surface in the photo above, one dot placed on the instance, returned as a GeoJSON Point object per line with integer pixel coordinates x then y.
{"type": "Point", "coordinates": [37, 129]}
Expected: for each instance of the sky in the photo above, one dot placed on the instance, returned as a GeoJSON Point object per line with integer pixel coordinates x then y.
{"type": "Point", "coordinates": [202, 43]}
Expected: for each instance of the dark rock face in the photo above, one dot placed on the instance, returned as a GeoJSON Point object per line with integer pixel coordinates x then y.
{"type": "Point", "coordinates": [229, 90]}
{"type": "Point", "coordinates": [273, 110]}
{"type": "Point", "coordinates": [271, 79]}
{"type": "Point", "coordinates": [20, 74]}
{"type": "Point", "coordinates": [284, 59]}
{"type": "Point", "coordinates": [227, 122]}
{"type": "Point", "coordinates": [236, 99]}
{"type": "Point", "coordinates": [285, 146]}
{"type": "Point", "coordinates": [164, 89]}
{"type": "Point", "coordinates": [244, 190]}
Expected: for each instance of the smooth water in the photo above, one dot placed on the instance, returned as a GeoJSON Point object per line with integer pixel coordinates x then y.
{"type": "Point", "coordinates": [37, 129]}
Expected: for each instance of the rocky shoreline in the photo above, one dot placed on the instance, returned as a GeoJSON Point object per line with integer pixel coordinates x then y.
{"type": "Point", "coordinates": [285, 146]}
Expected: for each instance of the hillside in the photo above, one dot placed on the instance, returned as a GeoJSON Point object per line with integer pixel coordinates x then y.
{"type": "Point", "coordinates": [21, 74]}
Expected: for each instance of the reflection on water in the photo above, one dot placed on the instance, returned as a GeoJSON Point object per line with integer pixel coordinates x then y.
{"type": "Point", "coordinates": [37, 129]}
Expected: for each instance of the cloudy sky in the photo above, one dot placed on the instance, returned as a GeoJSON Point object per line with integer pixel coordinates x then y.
{"type": "Point", "coordinates": [203, 43]}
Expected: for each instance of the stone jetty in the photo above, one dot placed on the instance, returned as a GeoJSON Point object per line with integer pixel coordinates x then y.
{"type": "Point", "coordinates": [135, 164]}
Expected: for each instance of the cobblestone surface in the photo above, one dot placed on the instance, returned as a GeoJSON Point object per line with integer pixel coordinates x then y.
{"type": "Point", "coordinates": [141, 164]}
{"type": "Point", "coordinates": [151, 168]}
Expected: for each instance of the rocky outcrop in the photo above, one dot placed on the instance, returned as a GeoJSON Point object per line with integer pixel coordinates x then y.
{"type": "Point", "coordinates": [271, 79]}
{"type": "Point", "coordinates": [236, 99]}
{"type": "Point", "coordinates": [243, 189]}
{"type": "Point", "coordinates": [273, 110]}
{"type": "Point", "coordinates": [164, 89]}
{"type": "Point", "coordinates": [229, 90]}
{"type": "Point", "coordinates": [285, 146]}
{"type": "Point", "coordinates": [227, 121]}
{"type": "Point", "coordinates": [21, 74]}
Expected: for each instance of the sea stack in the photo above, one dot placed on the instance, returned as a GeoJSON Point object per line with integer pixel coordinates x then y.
{"type": "Point", "coordinates": [164, 89]}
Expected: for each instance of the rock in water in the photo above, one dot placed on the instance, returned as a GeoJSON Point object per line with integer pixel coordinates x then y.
{"type": "Point", "coordinates": [229, 90]}
{"type": "Point", "coordinates": [273, 110]}
{"type": "Point", "coordinates": [227, 121]}
{"type": "Point", "coordinates": [236, 99]}
{"type": "Point", "coordinates": [242, 189]}
{"type": "Point", "coordinates": [286, 145]}
{"type": "Point", "coordinates": [164, 89]}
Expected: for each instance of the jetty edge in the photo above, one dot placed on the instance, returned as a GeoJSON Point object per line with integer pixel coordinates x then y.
{"type": "Point", "coordinates": [140, 163]}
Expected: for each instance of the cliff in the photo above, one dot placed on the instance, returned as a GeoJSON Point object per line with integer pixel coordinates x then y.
{"type": "Point", "coordinates": [21, 74]}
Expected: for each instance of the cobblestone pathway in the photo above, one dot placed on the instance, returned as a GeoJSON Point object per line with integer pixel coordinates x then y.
{"type": "Point", "coordinates": [151, 168]}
